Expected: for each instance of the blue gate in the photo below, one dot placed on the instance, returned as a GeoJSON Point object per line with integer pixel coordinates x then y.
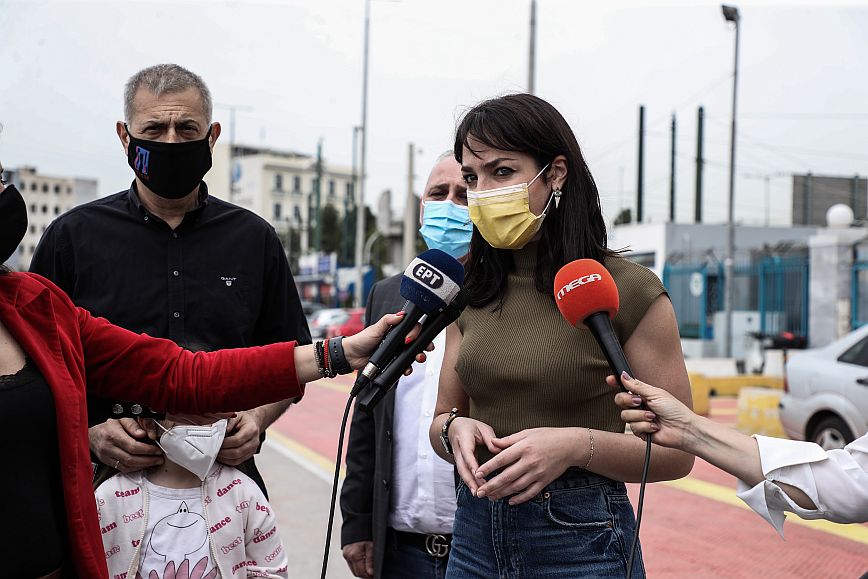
{"type": "Point", "coordinates": [774, 287]}
{"type": "Point", "coordinates": [859, 299]}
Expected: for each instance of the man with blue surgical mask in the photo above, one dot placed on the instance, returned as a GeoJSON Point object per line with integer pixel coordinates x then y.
{"type": "Point", "coordinates": [398, 498]}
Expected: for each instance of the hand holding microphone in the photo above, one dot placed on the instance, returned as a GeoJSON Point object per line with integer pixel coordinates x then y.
{"type": "Point", "coordinates": [429, 284]}
{"type": "Point", "coordinates": [432, 286]}
{"type": "Point", "coordinates": [666, 418]}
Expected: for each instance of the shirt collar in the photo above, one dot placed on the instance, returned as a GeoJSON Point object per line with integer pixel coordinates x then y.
{"type": "Point", "coordinates": [136, 203]}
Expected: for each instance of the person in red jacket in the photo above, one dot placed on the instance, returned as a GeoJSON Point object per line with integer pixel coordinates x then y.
{"type": "Point", "coordinates": [48, 347]}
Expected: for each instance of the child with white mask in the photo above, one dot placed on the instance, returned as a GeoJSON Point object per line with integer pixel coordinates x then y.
{"type": "Point", "coordinates": [190, 516]}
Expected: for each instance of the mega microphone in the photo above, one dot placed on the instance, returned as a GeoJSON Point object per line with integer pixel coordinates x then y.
{"type": "Point", "coordinates": [586, 294]}
{"type": "Point", "coordinates": [392, 372]}
{"type": "Point", "coordinates": [429, 284]}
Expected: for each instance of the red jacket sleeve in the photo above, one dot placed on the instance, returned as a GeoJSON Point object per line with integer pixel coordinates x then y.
{"type": "Point", "coordinates": [166, 377]}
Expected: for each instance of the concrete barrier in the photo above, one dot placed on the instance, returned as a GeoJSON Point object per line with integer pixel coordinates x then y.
{"type": "Point", "coordinates": [732, 385]}
{"type": "Point", "coordinates": [701, 393]}
{"type": "Point", "coordinates": [711, 366]}
{"type": "Point", "coordinates": [758, 412]}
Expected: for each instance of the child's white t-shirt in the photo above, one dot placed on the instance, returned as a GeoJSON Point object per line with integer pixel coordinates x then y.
{"type": "Point", "coordinates": [177, 530]}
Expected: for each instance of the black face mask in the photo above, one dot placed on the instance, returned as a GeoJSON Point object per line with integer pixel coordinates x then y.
{"type": "Point", "coordinates": [13, 221]}
{"type": "Point", "coordinates": [171, 170]}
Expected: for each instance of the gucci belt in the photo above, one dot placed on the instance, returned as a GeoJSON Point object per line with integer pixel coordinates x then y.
{"type": "Point", "coordinates": [434, 544]}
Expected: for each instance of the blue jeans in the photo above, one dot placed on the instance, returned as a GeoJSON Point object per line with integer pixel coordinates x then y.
{"type": "Point", "coordinates": [409, 562]}
{"type": "Point", "coordinates": [581, 525]}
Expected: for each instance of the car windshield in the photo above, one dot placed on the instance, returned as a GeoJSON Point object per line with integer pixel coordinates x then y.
{"type": "Point", "coordinates": [329, 316]}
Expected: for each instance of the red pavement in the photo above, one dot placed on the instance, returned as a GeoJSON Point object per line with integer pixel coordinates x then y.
{"type": "Point", "coordinates": [683, 534]}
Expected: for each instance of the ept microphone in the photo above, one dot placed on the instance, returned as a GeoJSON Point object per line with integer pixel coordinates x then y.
{"type": "Point", "coordinates": [429, 284]}
{"type": "Point", "coordinates": [432, 327]}
{"type": "Point", "coordinates": [586, 294]}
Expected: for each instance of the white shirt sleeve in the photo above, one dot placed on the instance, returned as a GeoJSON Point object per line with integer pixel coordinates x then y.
{"type": "Point", "coordinates": [836, 481]}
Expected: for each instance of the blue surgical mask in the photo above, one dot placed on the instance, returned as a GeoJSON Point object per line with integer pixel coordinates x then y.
{"type": "Point", "coordinates": [447, 227]}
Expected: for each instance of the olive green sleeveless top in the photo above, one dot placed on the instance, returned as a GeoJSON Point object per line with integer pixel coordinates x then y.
{"type": "Point", "coordinates": [523, 366]}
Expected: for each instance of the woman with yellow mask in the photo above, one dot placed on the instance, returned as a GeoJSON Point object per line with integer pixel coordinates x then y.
{"type": "Point", "coordinates": [523, 409]}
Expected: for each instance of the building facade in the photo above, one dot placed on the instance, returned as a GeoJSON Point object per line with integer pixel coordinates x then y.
{"type": "Point", "coordinates": [280, 186]}
{"type": "Point", "coordinates": [47, 197]}
{"type": "Point", "coordinates": [813, 195]}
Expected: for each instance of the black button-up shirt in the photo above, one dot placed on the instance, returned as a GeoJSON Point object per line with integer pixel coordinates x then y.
{"type": "Point", "coordinates": [218, 280]}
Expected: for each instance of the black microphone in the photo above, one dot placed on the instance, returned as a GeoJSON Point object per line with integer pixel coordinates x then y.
{"type": "Point", "coordinates": [392, 372]}
{"type": "Point", "coordinates": [429, 284]}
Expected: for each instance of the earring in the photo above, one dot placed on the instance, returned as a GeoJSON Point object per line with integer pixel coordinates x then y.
{"type": "Point", "coordinates": [557, 193]}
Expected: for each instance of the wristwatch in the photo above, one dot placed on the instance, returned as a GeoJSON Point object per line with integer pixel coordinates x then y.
{"type": "Point", "coordinates": [444, 431]}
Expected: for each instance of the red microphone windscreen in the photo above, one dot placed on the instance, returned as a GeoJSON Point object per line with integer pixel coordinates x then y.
{"type": "Point", "coordinates": [584, 287]}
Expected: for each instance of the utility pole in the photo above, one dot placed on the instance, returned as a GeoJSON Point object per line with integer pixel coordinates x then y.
{"type": "Point", "coordinates": [410, 215]}
{"type": "Point", "coordinates": [230, 193]}
{"type": "Point", "coordinates": [700, 163]}
{"type": "Point", "coordinates": [640, 172]}
{"type": "Point", "coordinates": [672, 175]}
{"type": "Point", "coordinates": [730, 13]}
{"type": "Point", "coordinates": [531, 62]}
{"type": "Point", "coordinates": [360, 202]}
{"type": "Point", "coordinates": [766, 178]}
{"type": "Point", "coordinates": [317, 192]}
{"type": "Point", "coordinates": [347, 239]}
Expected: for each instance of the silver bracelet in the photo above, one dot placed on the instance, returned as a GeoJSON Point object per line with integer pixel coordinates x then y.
{"type": "Point", "coordinates": [591, 455]}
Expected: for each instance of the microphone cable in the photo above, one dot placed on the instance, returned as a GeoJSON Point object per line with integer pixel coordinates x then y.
{"type": "Point", "coordinates": [642, 484]}
{"type": "Point", "coordinates": [325, 556]}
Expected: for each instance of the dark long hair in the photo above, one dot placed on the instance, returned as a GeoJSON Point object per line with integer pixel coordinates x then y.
{"type": "Point", "coordinates": [527, 124]}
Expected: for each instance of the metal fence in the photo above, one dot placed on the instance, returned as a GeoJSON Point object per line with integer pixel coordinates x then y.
{"type": "Point", "coordinates": [776, 288]}
{"type": "Point", "coordinates": [859, 297]}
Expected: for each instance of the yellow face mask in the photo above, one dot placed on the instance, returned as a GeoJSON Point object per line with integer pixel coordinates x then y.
{"type": "Point", "coordinates": [503, 215]}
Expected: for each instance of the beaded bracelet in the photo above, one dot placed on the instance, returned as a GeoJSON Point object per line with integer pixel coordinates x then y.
{"type": "Point", "coordinates": [337, 357]}
{"type": "Point", "coordinates": [320, 358]}
{"type": "Point", "coordinates": [591, 455]}
{"type": "Point", "coordinates": [326, 361]}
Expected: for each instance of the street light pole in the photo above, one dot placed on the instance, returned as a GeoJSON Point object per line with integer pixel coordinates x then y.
{"type": "Point", "coordinates": [531, 62]}
{"type": "Point", "coordinates": [360, 199]}
{"type": "Point", "coordinates": [411, 214]}
{"type": "Point", "coordinates": [767, 178]}
{"type": "Point", "coordinates": [231, 191]}
{"type": "Point", "coordinates": [317, 192]}
{"type": "Point", "coordinates": [350, 201]}
{"type": "Point", "coordinates": [731, 14]}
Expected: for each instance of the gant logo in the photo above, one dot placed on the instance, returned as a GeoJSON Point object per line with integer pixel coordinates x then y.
{"type": "Point", "coordinates": [143, 156]}
{"type": "Point", "coordinates": [228, 280]}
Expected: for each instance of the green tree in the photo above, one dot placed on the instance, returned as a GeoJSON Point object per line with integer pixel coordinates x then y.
{"type": "Point", "coordinates": [291, 241]}
{"type": "Point", "coordinates": [330, 229]}
{"type": "Point", "coordinates": [625, 216]}
{"type": "Point", "coordinates": [380, 246]}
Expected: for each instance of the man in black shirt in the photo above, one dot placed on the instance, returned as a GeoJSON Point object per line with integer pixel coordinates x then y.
{"type": "Point", "coordinates": [166, 259]}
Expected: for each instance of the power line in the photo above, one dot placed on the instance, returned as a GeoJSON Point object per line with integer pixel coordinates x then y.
{"type": "Point", "coordinates": [803, 116]}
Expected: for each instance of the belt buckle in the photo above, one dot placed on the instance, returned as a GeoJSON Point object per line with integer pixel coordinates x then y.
{"type": "Point", "coordinates": [436, 545]}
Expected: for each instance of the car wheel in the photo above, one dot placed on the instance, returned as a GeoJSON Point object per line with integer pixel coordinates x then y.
{"type": "Point", "coordinates": [832, 433]}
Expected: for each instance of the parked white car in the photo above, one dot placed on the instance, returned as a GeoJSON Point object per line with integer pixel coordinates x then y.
{"type": "Point", "coordinates": [825, 396]}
